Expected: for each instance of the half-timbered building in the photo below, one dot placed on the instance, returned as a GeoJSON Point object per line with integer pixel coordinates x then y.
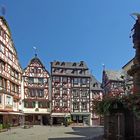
{"type": "Point", "coordinates": [36, 93]}
{"type": "Point", "coordinates": [96, 94]}
{"type": "Point", "coordinates": [113, 82]}
{"type": "Point", "coordinates": [70, 92]}
{"type": "Point", "coordinates": [10, 78]}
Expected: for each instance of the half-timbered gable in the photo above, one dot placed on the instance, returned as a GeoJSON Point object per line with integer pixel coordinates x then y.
{"type": "Point", "coordinates": [36, 81]}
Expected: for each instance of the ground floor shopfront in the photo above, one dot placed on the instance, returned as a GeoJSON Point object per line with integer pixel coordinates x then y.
{"type": "Point", "coordinates": [37, 119]}
{"type": "Point", "coordinates": [60, 118]}
{"type": "Point", "coordinates": [81, 118]}
{"type": "Point", "coordinates": [11, 118]}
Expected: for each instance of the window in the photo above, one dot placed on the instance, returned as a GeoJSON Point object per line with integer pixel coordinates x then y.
{"type": "Point", "coordinates": [12, 87]}
{"type": "Point", "coordinates": [56, 79]}
{"type": "Point", "coordinates": [12, 72]}
{"type": "Point", "coordinates": [39, 70]}
{"type": "Point", "coordinates": [2, 83]}
{"type": "Point", "coordinates": [74, 64]}
{"type": "Point", "coordinates": [43, 104]}
{"type": "Point", "coordinates": [31, 80]}
{"type": "Point", "coordinates": [75, 93]}
{"type": "Point", "coordinates": [64, 104]}
{"type": "Point", "coordinates": [16, 74]}
{"type": "Point", "coordinates": [84, 81]}
{"type": "Point", "coordinates": [1, 48]}
{"type": "Point", "coordinates": [16, 89]}
{"type": "Point", "coordinates": [10, 56]}
{"type": "Point", "coordinates": [57, 103]}
{"type": "Point", "coordinates": [8, 100]}
{"type": "Point", "coordinates": [32, 70]}
{"type": "Point", "coordinates": [84, 93]}
{"type": "Point", "coordinates": [57, 63]}
{"type": "Point", "coordinates": [29, 104]}
{"type": "Point", "coordinates": [40, 80]}
{"type": "Point", "coordinates": [75, 81]}
{"type": "Point", "coordinates": [56, 91]}
{"type": "Point", "coordinates": [2, 65]}
{"type": "Point", "coordinates": [75, 106]}
{"type": "Point", "coordinates": [36, 93]}
{"type": "Point", "coordinates": [0, 99]}
{"type": "Point", "coordinates": [35, 70]}
{"type": "Point", "coordinates": [63, 63]}
{"type": "Point", "coordinates": [64, 79]}
{"type": "Point", "coordinates": [40, 93]}
{"type": "Point", "coordinates": [81, 63]}
{"type": "Point", "coordinates": [32, 93]}
{"type": "Point", "coordinates": [84, 106]}
{"type": "Point", "coordinates": [64, 91]}
{"type": "Point", "coordinates": [35, 80]}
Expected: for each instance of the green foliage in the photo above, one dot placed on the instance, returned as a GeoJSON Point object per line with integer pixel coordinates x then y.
{"type": "Point", "coordinates": [111, 104]}
{"type": "Point", "coordinates": [108, 105]}
{"type": "Point", "coordinates": [1, 126]}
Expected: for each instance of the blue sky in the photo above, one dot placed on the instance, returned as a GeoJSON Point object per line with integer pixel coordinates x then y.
{"type": "Point", "coordinates": [95, 31]}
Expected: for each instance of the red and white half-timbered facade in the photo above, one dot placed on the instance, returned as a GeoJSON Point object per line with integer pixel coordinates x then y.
{"type": "Point", "coordinates": [36, 93]}
{"type": "Point", "coordinates": [10, 77]}
{"type": "Point", "coordinates": [70, 92]}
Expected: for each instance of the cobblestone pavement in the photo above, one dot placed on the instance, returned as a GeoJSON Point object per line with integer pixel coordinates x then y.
{"type": "Point", "coordinates": [53, 133]}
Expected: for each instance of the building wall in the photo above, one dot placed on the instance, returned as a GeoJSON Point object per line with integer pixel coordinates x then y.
{"type": "Point", "coordinates": [36, 94]}
{"type": "Point", "coordinates": [10, 74]}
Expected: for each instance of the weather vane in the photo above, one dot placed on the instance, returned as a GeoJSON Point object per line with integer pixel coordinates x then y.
{"type": "Point", "coordinates": [103, 65]}
{"type": "Point", "coordinates": [35, 50]}
{"type": "Point", "coordinates": [3, 10]}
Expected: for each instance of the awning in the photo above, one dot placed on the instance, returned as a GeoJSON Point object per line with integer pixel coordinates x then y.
{"type": "Point", "coordinates": [16, 113]}
{"type": "Point", "coordinates": [12, 113]}
{"type": "Point", "coordinates": [80, 113]}
{"type": "Point", "coordinates": [39, 113]}
{"type": "Point", "coordinates": [60, 114]}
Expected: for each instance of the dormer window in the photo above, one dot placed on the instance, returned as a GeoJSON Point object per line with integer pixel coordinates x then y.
{"type": "Point", "coordinates": [63, 64]}
{"type": "Point", "coordinates": [57, 63]}
{"type": "Point", "coordinates": [81, 63]}
{"type": "Point", "coordinates": [95, 84]}
{"type": "Point", "coordinates": [54, 70]}
{"type": "Point", "coordinates": [74, 64]}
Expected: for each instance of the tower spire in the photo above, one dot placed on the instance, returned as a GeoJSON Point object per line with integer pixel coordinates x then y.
{"type": "Point", "coordinates": [35, 51]}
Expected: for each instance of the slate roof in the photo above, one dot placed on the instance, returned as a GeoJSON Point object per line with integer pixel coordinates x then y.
{"type": "Point", "coordinates": [95, 84]}
{"type": "Point", "coordinates": [72, 65]}
{"type": "Point", "coordinates": [114, 75]}
{"type": "Point", "coordinates": [70, 68]}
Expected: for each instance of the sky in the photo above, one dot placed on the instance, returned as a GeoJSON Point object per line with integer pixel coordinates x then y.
{"type": "Point", "coordinates": [94, 31]}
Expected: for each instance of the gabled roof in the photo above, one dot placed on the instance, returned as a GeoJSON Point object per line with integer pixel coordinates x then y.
{"type": "Point", "coordinates": [36, 60]}
{"type": "Point", "coordinates": [5, 22]}
{"type": "Point", "coordinates": [128, 63]}
{"type": "Point", "coordinates": [7, 26]}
